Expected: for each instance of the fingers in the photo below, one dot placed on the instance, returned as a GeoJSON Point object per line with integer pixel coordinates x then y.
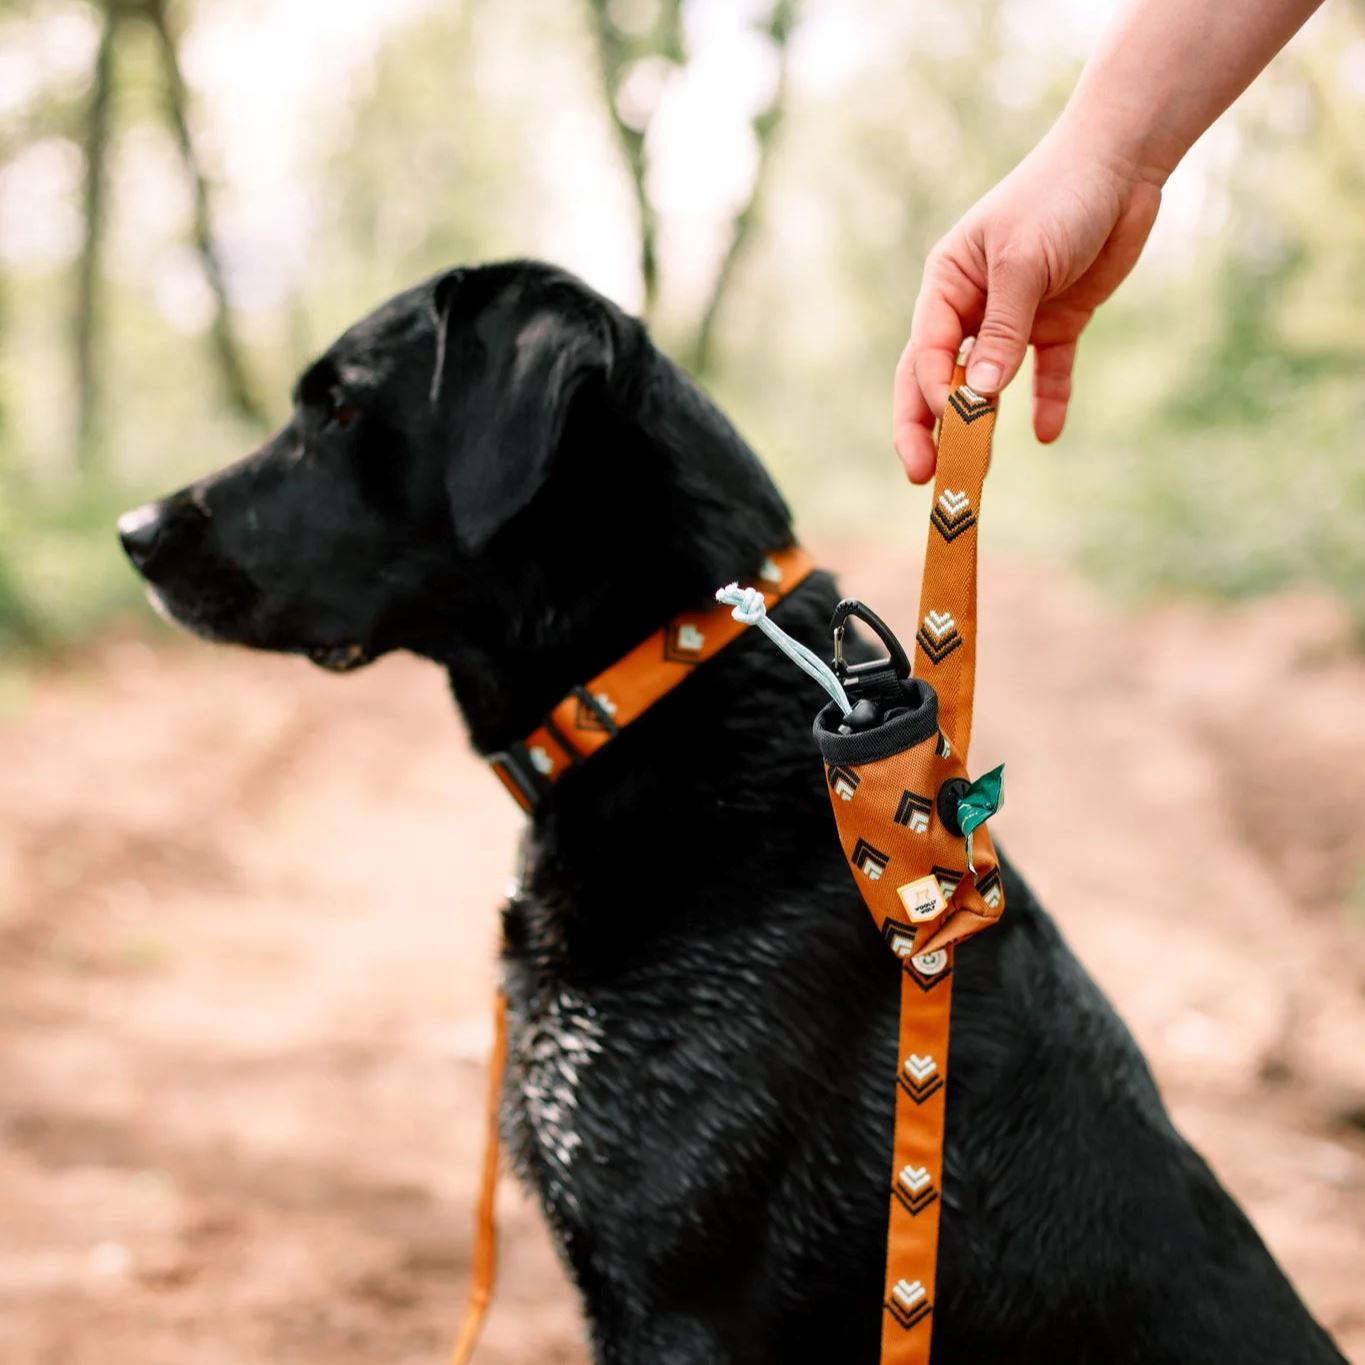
{"type": "Point", "coordinates": [912, 421]}
{"type": "Point", "coordinates": [951, 302]}
{"type": "Point", "coordinates": [942, 312]}
{"type": "Point", "coordinates": [1014, 288]}
{"type": "Point", "coordinates": [925, 371]}
{"type": "Point", "coordinates": [1052, 366]}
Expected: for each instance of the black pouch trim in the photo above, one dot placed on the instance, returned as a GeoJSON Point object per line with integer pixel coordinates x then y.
{"type": "Point", "coordinates": [913, 726]}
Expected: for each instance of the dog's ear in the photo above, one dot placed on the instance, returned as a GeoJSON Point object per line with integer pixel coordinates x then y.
{"type": "Point", "coordinates": [501, 391]}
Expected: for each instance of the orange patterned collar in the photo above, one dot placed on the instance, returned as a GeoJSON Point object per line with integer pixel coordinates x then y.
{"type": "Point", "coordinates": [594, 713]}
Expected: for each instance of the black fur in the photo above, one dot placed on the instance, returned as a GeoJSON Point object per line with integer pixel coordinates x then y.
{"type": "Point", "coordinates": [498, 471]}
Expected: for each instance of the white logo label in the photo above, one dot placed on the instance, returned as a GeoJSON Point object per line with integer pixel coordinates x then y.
{"type": "Point", "coordinates": [923, 899]}
{"type": "Point", "coordinates": [605, 702]}
{"type": "Point", "coordinates": [769, 572]}
{"type": "Point", "coordinates": [541, 761]}
{"type": "Point", "coordinates": [690, 638]}
{"type": "Point", "coordinates": [954, 503]}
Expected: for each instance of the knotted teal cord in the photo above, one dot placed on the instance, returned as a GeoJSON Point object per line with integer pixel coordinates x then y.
{"type": "Point", "coordinates": [751, 610]}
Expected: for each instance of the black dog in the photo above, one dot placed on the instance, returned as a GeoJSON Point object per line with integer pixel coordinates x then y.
{"type": "Point", "coordinates": [498, 471]}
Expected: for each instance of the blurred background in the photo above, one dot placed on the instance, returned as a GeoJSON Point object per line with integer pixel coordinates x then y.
{"type": "Point", "coordinates": [247, 912]}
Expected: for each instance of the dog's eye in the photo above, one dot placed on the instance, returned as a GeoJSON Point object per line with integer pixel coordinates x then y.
{"type": "Point", "coordinates": [341, 410]}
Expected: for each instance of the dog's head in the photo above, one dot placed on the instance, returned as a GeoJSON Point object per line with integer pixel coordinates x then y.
{"type": "Point", "coordinates": [475, 472]}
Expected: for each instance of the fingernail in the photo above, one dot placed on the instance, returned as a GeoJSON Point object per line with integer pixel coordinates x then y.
{"type": "Point", "coordinates": [985, 377]}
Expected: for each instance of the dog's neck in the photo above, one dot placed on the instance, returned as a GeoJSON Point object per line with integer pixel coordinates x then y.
{"type": "Point", "coordinates": [653, 502]}
{"type": "Point", "coordinates": [688, 794]}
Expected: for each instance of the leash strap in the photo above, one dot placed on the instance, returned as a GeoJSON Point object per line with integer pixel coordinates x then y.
{"type": "Point", "coordinates": [484, 1262]}
{"type": "Point", "coordinates": [894, 789]}
{"type": "Point", "coordinates": [593, 714]}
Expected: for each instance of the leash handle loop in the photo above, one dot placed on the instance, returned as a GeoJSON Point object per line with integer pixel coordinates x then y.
{"type": "Point", "coordinates": [945, 640]}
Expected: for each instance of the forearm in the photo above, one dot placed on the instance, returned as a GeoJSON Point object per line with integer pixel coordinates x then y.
{"type": "Point", "coordinates": [1168, 68]}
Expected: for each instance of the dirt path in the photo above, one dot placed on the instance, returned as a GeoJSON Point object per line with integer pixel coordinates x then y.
{"type": "Point", "coordinates": [247, 921]}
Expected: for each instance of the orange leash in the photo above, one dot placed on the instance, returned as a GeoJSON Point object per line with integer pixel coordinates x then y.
{"type": "Point", "coordinates": [592, 715]}
{"type": "Point", "coordinates": [484, 1265]}
{"type": "Point", "coordinates": [895, 789]}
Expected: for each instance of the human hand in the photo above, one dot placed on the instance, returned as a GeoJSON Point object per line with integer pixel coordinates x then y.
{"type": "Point", "coordinates": [1027, 265]}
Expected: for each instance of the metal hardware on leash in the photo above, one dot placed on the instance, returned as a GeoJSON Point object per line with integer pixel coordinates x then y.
{"type": "Point", "coordinates": [874, 685]}
{"type": "Point", "coordinates": [962, 805]}
{"type": "Point", "coordinates": [860, 611]}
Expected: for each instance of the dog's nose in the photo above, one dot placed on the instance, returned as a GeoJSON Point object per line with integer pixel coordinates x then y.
{"type": "Point", "coordinates": [140, 530]}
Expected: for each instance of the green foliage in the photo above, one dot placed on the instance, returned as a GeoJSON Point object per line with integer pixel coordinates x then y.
{"type": "Point", "coordinates": [1246, 473]}
{"type": "Point", "coordinates": [427, 170]}
{"type": "Point", "coordinates": [1217, 441]}
{"type": "Point", "coordinates": [61, 569]}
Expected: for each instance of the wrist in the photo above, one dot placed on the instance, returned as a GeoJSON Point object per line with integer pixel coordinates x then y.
{"type": "Point", "coordinates": [1121, 134]}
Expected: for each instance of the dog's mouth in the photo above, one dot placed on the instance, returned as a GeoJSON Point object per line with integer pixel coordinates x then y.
{"type": "Point", "coordinates": [204, 619]}
{"type": "Point", "coordinates": [338, 658]}
{"type": "Point", "coordinates": [342, 657]}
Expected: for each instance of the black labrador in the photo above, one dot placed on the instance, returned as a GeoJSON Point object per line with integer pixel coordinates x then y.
{"type": "Point", "coordinates": [498, 471]}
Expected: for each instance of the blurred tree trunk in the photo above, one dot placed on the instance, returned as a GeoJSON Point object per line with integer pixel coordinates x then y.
{"type": "Point", "coordinates": [618, 52]}
{"type": "Point", "coordinates": [765, 126]}
{"type": "Point", "coordinates": [235, 382]}
{"type": "Point", "coordinates": [88, 328]}
{"type": "Point", "coordinates": [95, 147]}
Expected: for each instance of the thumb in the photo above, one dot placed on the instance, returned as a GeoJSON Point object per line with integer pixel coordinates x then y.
{"type": "Point", "coordinates": [1014, 289]}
